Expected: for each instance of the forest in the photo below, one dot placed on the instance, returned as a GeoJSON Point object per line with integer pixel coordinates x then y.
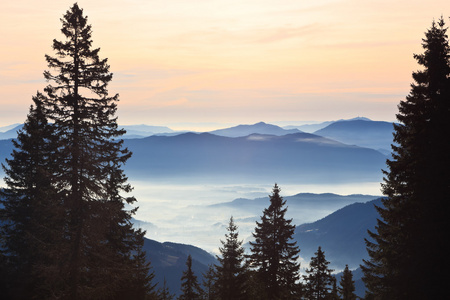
{"type": "Point", "coordinates": [66, 229]}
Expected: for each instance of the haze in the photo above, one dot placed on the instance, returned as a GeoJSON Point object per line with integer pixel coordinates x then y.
{"type": "Point", "coordinates": [228, 62]}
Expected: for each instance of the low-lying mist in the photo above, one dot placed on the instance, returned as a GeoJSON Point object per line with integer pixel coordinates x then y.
{"type": "Point", "coordinates": [198, 213]}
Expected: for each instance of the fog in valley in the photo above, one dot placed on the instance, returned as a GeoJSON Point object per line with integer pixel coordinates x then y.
{"type": "Point", "coordinates": [198, 214]}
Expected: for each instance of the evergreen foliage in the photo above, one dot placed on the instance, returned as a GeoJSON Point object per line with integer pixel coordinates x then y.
{"type": "Point", "coordinates": [64, 216]}
{"type": "Point", "coordinates": [230, 271]}
{"type": "Point", "coordinates": [347, 285]}
{"type": "Point", "coordinates": [31, 217]}
{"type": "Point", "coordinates": [190, 287]}
{"type": "Point", "coordinates": [414, 217]}
{"type": "Point", "coordinates": [334, 292]}
{"type": "Point", "coordinates": [209, 284]}
{"type": "Point", "coordinates": [319, 280]}
{"type": "Point", "coordinates": [164, 293]}
{"type": "Point", "coordinates": [273, 253]}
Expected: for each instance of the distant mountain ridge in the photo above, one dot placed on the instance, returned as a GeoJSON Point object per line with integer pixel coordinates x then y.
{"type": "Point", "coordinates": [341, 234]}
{"type": "Point", "coordinates": [10, 131]}
{"type": "Point", "coordinates": [311, 128]}
{"type": "Point", "coordinates": [168, 261]}
{"type": "Point", "coordinates": [300, 157]}
{"type": "Point", "coordinates": [258, 128]}
{"type": "Point", "coordinates": [371, 134]}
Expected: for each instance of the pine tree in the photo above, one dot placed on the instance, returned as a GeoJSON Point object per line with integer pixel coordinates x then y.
{"type": "Point", "coordinates": [209, 284]}
{"type": "Point", "coordinates": [347, 285]}
{"type": "Point", "coordinates": [334, 292]}
{"type": "Point", "coordinates": [81, 184]}
{"type": "Point", "coordinates": [231, 271]}
{"type": "Point", "coordinates": [319, 278]}
{"type": "Point", "coordinates": [164, 292]}
{"type": "Point", "coordinates": [273, 254]}
{"type": "Point", "coordinates": [409, 236]}
{"type": "Point", "coordinates": [190, 287]}
{"type": "Point", "coordinates": [139, 285]}
{"type": "Point", "coordinates": [29, 218]}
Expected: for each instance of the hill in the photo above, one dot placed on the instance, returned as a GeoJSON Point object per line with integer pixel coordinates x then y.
{"type": "Point", "coordinates": [303, 207]}
{"type": "Point", "coordinates": [258, 128]}
{"type": "Point", "coordinates": [11, 132]}
{"type": "Point", "coordinates": [168, 261]}
{"type": "Point", "coordinates": [340, 234]}
{"type": "Point", "coordinates": [365, 133]}
{"type": "Point", "coordinates": [141, 131]}
{"type": "Point", "coordinates": [300, 157]}
{"type": "Point", "coordinates": [311, 128]}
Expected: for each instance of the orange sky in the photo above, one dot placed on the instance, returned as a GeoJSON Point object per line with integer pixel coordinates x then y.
{"type": "Point", "coordinates": [226, 61]}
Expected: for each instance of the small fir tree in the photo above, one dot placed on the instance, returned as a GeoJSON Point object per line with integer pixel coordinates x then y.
{"type": "Point", "coordinates": [273, 253]}
{"type": "Point", "coordinates": [230, 271]}
{"type": "Point", "coordinates": [164, 292]}
{"type": "Point", "coordinates": [319, 280]}
{"type": "Point", "coordinates": [347, 285]}
{"type": "Point", "coordinates": [209, 284]}
{"type": "Point", "coordinates": [190, 288]}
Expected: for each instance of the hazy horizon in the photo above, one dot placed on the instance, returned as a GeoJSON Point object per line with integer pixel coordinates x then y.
{"type": "Point", "coordinates": [210, 126]}
{"type": "Point", "coordinates": [228, 62]}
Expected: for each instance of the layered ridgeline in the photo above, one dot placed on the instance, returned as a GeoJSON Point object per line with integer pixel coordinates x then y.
{"type": "Point", "coordinates": [293, 158]}
{"type": "Point", "coordinates": [340, 234]}
{"type": "Point", "coordinates": [255, 153]}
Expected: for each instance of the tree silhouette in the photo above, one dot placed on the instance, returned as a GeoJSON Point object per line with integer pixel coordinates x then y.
{"type": "Point", "coordinates": [209, 283]}
{"type": "Point", "coordinates": [230, 271]}
{"type": "Point", "coordinates": [31, 217]}
{"type": "Point", "coordinates": [319, 280]}
{"type": "Point", "coordinates": [347, 285]}
{"type": "Point", "coordinates": [190, 287]}
{"type": "Point", "coordinates": [409, 237]}
{"type": "Point", "coordinates": [273, 254]}
{"type": "Point", "coordinates": [81, 183]}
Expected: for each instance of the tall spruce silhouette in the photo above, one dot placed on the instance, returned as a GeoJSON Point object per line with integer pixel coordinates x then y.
{"type": "Point", "coordinates": [97, 252]}
{"type": "Point", "coordinates": [273, 253]}
{"type": "Point", "coordinates": [410, 235]}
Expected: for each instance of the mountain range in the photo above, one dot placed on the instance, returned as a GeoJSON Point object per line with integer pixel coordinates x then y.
{"type": "Point", "coordinates": [370, 134]}
{"type": "Point", "coordinates": [270, 153]}
{"type": "Point", "coordinates": [291, 158]}
{"type": "Point", "coordinates": [311, 128]}
{"type": "Point", "coordinates": [341, 235]}
{"type": "Point", "coordinates": [258, 128]}
{"type": "Point", "coordinates": [340, 152]}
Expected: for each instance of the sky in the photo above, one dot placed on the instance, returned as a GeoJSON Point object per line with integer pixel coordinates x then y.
{"type": "Point", "coordinates": [207, 63]}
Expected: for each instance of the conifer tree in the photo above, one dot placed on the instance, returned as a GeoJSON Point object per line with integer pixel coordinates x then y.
{"type": "Point", "coordinates": [230, 271]}
{"type": "Point", "coordinates": [209, 284]}
{"type": "Point", "coordinates": [319, 280]}
{"type": "Point", "coordinates": [347, 285]}
{"type": "Point", "coordinates": [164, 292]}
{"type": "Point", "coordinates": [409, 236]}
{"type": "Point", "coordinates": [334, 292]}
{"type": "Point", "coordinates": [190, 287]}
{"type": "Point", "coordinates": [31, 217]}
{"type": "Point", "coordinates": [92, 238]}
{"type": "Point", "coordinates": [273, 253]}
